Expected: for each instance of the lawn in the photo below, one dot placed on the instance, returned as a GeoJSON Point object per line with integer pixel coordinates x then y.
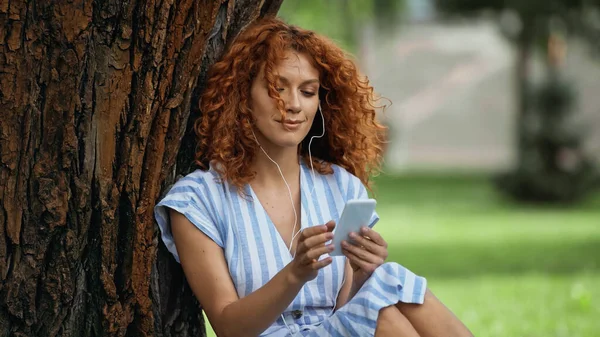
{"type": "Point", "coordinates": [505, 270]}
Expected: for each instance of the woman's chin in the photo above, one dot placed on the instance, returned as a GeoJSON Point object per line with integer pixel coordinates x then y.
{"type": "Point", "coordinates": [290, 145]}
{"type": "Point", "coordinates": [290, 141]}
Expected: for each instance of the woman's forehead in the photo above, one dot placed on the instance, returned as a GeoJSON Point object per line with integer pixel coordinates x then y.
{"type": "Point", "coordinates": [296, 66]}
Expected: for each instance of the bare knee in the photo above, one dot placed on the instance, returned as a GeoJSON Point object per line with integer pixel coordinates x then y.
{"type": "Point", "coordinates": [432, 318]}
{"type": "Point", "coordinates": [387, 314]}
{"type": "Point", "coordinates": [391, 322]}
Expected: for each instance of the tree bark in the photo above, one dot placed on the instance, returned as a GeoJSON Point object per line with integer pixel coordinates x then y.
{"type": "Point", "coordinates": [95, 99]}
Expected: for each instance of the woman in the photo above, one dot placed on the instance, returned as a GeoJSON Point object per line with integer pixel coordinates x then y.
{"type": "Point", "coordinates": [251, 228]}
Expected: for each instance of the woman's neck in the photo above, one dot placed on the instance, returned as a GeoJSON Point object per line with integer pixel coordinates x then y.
{"type": "Point", "coordinates": [267, 172]}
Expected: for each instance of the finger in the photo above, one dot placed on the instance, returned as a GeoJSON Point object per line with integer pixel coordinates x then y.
{"type": "Point", "coordinates": [315, 253]}
{"type": "Point", "coordinates": [311, 231]}
{"type": "Point", "coordinates": [320, 264]}
{"type": "Point", "coordinates": [368, 244]}
{"type": "Point", "coordinates": [330, 225]}
{"type": "Point", "coordinates": [312, 242]}
{"type": "Point", "coordinates": [374, 236]}
{"type": "Point", "coordinates": [317, 240]}
{"type": "Point", "coordinates": [362, 264]}
{"type": "Point", "coordinates": [362, 253]}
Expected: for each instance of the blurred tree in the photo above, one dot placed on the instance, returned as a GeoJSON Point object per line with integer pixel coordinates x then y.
{"type": "Point", "coordinates": [342, 20]}
{"type": "Point", "coordinates": [551, 165]}
{"type": "Point", "coordinates": [95, 98]}
{"type": "Point", "coordinates": [386, 14]}
{"type": "Point", "coordinates": [554, 166]}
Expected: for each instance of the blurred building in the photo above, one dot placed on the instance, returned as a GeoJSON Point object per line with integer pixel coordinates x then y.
{"type": "Point", "coordinates": [451, 85]}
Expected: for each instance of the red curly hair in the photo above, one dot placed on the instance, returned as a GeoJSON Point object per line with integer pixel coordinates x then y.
{"type": "Point", "coordinates": [354, 139]}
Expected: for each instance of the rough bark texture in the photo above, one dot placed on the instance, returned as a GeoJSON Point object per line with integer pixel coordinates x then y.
{"type": "Point", "coordinates": [95, 97]}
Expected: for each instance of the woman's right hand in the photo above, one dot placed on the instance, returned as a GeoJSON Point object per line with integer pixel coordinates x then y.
{"type": "Point", "coordinates": [311, 245]}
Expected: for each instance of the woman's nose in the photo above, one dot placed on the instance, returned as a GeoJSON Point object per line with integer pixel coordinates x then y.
{"type": "Point", "coordinates": [292, 103]}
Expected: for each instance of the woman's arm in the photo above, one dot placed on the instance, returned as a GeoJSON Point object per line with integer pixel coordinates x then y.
{"type": "Point", "coordinates": [206, 270]}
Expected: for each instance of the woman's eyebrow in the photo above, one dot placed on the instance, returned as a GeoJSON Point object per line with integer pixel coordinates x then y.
{"type": "Point", "coordinates": [309, 81]}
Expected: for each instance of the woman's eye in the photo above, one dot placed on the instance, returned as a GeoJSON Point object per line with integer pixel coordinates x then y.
{"type": "Point", "coordinates": [279, 89]}
{"type": "Point", "coordinates": [308, 93]}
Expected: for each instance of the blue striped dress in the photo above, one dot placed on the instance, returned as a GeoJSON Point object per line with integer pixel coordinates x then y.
{"type": "Point", "coordinates": [255, 251]}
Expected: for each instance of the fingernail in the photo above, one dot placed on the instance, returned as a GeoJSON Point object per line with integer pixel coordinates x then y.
{"type": "Point", "coordinates": [353, 235]}
{"type": "Point", "coordinates": [365, 229]}
{"type": "Point", "coordinates": [344, 244]}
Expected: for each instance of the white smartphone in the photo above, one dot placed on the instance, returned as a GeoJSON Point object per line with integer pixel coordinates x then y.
{"type": "Point", "coordinates": [356, 214]}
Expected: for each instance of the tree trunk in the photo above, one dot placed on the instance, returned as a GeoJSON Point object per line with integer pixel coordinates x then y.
{"type": "Point", "coordinates": [95, 98]}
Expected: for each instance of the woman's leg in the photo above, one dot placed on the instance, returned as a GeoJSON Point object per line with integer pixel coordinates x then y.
{"type": "Point", "coordinates": [391, 322]}
{"type": "Point", "coordinates": [433, 319]}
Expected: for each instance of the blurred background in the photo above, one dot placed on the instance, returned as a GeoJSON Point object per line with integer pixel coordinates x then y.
{"type": "Point", "coordinates": [490, 187]}
{"type": "Point", "coordinates": [491, 181]}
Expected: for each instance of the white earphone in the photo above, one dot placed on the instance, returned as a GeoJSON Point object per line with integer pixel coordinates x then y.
{"type": "Point", "coordinates": [290, 191]}
{"type": "Point", "coordinates": [285, 181]}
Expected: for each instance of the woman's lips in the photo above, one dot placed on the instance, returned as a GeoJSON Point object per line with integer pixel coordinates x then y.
{"type": "Point", "coordinates": [292, 125]}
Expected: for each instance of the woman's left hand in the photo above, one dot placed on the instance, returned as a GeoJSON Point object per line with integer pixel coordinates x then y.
{"type": "Point", "coordinates": [368, 252]}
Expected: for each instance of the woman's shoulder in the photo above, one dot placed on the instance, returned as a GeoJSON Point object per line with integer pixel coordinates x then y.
{"type": "Point", "coordinates": [346, 182]}
{"type": "Point", "coordinates": [198, 182]}
{"type": "Point", "coordinates": [350, 184]}
{"type": "Point", "coordinates": [340, 173]}
{"type": "Point", "coordinates": [197, 196]}
{"type": "Point", "coordinates": [339, 170]}
{"type": "Point", "coordinates": [200, 176]}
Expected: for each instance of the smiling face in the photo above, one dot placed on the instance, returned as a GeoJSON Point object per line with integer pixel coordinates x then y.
{"type": "Point", "coordinates": [297, 82]}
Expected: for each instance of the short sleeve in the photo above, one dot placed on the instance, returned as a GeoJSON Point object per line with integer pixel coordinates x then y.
{"type": "Point", "coordinates": [192, 197]}
{"type": "Point", "coordinates": [357, 190]}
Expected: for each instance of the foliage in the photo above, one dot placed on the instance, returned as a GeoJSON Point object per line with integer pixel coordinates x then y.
{"type": "Point", "coordinates": [317, 15]}
{"type": "Point", "coordinates": [340, 20]}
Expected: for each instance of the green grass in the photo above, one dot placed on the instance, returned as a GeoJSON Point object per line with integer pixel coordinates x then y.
{"type": "Point", "coordinates": [504, 269]}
